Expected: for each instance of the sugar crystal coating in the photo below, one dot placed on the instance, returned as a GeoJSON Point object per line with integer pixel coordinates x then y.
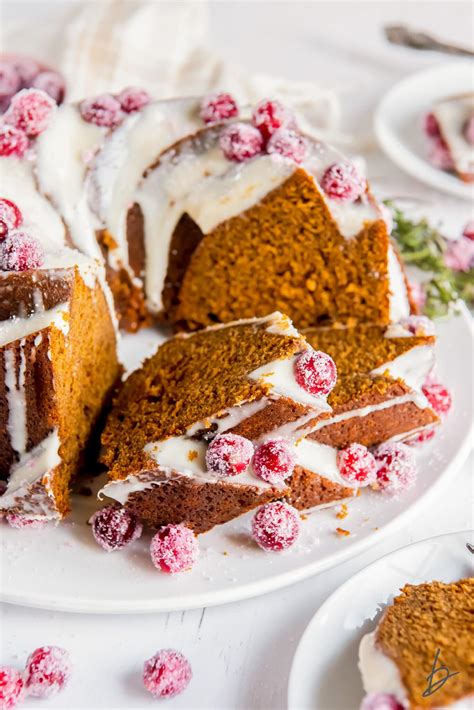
{"type": "Point", "coordinates": [343, 182]}
{"type": "Point", "coordinates": [133, 99]}
{"type": "Point", "coordinates": [357, 465]}
{"type": "Point", "coordinates": [419, 325]}
{"type": "Point", "coordinates": [422, 437]}
{"type": "Point", "coordinates": [270, 115]}
{"type": "Point", "coordinates": [218, 107]}
{"type": "Point", "coordinates": [174, 549]}
{"type": "Point", "coordinates": [438, 396]}
{"type": "Point", "coordinates": [239, 142]}
{"type": "Point", "coordinates": [276, 526]}
{"type": "Point", "coordinates": [18, 521]}
{"type": "Point", "coordinates": [10, 82]}
{"type": "Point", "coordinates": [396, 467]}
{"type": "Point", "coordinates": [10, 213]}
{"type": "Point", "coordinates": [316, 372]}
{"type": "Point", "coordinates": [13, 141]}
{"type": "Point", "coordinates": [31, 111]}
{"type": "Point", "coordinates": [20, 251]}
{"type": "Point", "coordinates": [103, 110]}
{"type": "Point", "coordinates": [52, 83]}
{"type": "Point", "coordinates": [26, 68]}
{"type": "Point", "coordinates": [274, 461]}
{"type": "Point", "coordinates": [48, 671]}
{"type": "Point", "coordinates": [229, 454]}
{"type": "Point", "coordinates": [167, 673]}
{"type": "Point", "coordinates": [287, 143]}
{"type": "Point", "coordinates": [11, 687]}
{"type": "Point", "coordinates": [114, 527]}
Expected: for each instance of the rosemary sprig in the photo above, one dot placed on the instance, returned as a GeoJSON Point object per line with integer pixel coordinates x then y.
{"type": "Point", "coordinates": [423, 246]}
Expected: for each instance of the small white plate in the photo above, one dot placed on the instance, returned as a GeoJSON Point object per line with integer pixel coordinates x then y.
{"type": "Point", "coordinates": [63, 568]}
{"type": "Point", "coordinates": [398, 122]}
{"type": "Point", "coordinates": [324, 674]}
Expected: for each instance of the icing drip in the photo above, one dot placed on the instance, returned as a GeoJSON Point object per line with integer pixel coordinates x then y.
{"type": "Point", "coordinates": [17, 328]}
{"type": "Point", "coordinates": [15, 384]}
{"type": "Point", "coordinates": [412, 366]}
{"type": "Point", "coordinates": [399, 303]}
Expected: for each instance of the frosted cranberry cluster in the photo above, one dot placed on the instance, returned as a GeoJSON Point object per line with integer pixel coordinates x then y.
{"type": "Point", "coordinates": [19, 251]}
{"type": "Point", "coordinates": [18, 72]}
{"type": "Point", "coordinates": [109, 110]}
{"type": "Point", "coordinates": [390, 468]}
{"type": "Point", "coordinates": [29, 114]}
{"type": "Point", "coordinates": [47, 672]}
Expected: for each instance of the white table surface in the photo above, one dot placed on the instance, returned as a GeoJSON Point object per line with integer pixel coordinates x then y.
{"type": "Point", "coordinates": [241, 653]}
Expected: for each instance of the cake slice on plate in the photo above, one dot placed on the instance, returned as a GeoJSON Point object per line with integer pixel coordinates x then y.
{"type": "Point", "coordinates": [204, 431]}
{"type": "Point", "coordinates": [450, 130]}
{"type": "Point", "coordinates": [424, 637]}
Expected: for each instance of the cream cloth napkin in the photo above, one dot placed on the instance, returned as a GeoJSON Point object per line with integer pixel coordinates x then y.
{"type": "Point", "coordinates": [163, 46]}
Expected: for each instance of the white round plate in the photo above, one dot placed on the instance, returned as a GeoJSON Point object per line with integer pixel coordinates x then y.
{"type": "Point", "coordinates": [398, 122]}
{"type": "Point", "coordinates": [63, 568]}
{"type": "Point", "coordinates": [324, 674]}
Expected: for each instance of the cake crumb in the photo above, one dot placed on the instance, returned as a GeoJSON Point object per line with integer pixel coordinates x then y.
{"type": "Point", "coordinates": [341, 531]}
{"type": "Point", "coordinates": [192, 454]}
{"type": "Point", "coordinates": [343, 512]}
{"type": "Point", "coordinates": [303, 517]}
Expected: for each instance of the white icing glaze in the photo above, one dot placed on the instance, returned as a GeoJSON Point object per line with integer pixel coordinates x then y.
{"type": "Point", "coordinates": [15, 384]}
{"type": "Point", "coordinates": [126, 153]}
{"type": "Point", "coordinates": [412, 366]}
{"type": "Point", "coordinates": [17, 328]}
{"type": "Point", "coordinates": [319, 458]}
{"type": "Point", "coordinates": [399, 303]}
{"type": "Point", "coordinates": [32, 467]}
{"type": "Point", "coordinates": [230, 419]}
{"type": "Point", "coordinates": [452, 115]}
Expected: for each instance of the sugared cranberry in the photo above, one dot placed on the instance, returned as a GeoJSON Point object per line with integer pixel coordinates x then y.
{"type": "Point", "coordinates": [356, 465]}
{"type": "Point", "coordinates": [431, 126]}
{"type": "Point", "coordinates": [10, 82]}
{"type": "Point", "coordinates": [459, 255]}
{"type": "Point", "coordinates": [167, 673]}
{"type": "Point", "coordinates": [343, 182]}
{"type": "Point", "coordinates": [419, 325]}
{"type": "Point", "coordinates": [269, 116]}
{"type": "Point", "coordinates": [133, 99]}
{"type": "Point", "coordinates": [48, 670]}
{"type": "Point", "coordinates": [418, 294]}
{"type": "Point", "coordinates": [218, 107]}
{"type": "Point", "coordinates": [229, 454]}
{"type": "Point", "coordinates": [287, 143]}
{"type": "Point", "coordinates": [52, 83]}
{"type": "Point", "coordinates": [273, 461]}
{"type": "Point", "coordinates": [11, 687]}
{"type": "Point", "coordinates": [15, 520]}
{"type": "Point", "coordinates": [380, 701]}
{"type": "Point", "coordinates": [239, 142]}
{"type": "Point", "coordinates": [31, 110]}
{"type": "Point", "coordinates": [10, 214]}
{"type": "Point", "coordinates": [114, 527]}
{"type": "Point", "coordinates": [12, 141]}
{"type": "Point", "coordinates": [3, 230]}
{"type": "Point", "coordinates": [468, 230]}
{"type": "Point", "coordinates": [174, 549]}
{"type": "Point", "coordinates": [422, 437]}
{"type": "Point", "coordinates": [276, 526]}
{"type": "Point", "coordinates": [26, 68]}
{"type": "Point", "coordinates": [439, 397]}
{"type": "Point", "coordinates": [104, 110]}
{"type": "Point", "coordinates": [439, 155]}
{"type": "Point", "coordinates": [396, 467]}
{"type": "Point", "coordinates": [20, 252]}
{"type": "Point", "coordinates": [468, 130]}
{"type": "Point", "coordinates": [316, 372]}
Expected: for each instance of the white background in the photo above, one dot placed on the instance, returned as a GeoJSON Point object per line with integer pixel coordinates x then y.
{"type": "Point", "coordinates": [241, 653]}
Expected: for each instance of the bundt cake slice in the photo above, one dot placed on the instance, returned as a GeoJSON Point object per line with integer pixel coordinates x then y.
{"type": "Point", "coordinates": [204, 430]}
{"type": "Point", "coordinates": [378, 397]}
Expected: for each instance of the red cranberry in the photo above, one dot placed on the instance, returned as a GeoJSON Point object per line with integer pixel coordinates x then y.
{"type": "Point", "coordinates": [114, 527]}
{"type": "Point", "coordinates": [276, 526]}
{"type": "Point", "coordinates": [287, 143]}
{"type": "Point", "coordinates": [356, 465]}
{"type": "Point", "coordinates": [343, 182]}
{"type": "Point", "coordinates": [273, 461]}
{"type": "Point", "coordinates": [396, 467]}
{"type": "Point", "coordinates": [239, 142]}
{"type": "Point", "coordinates": [3, 230]}
{"type": "Point", "coordinates": [31, 110]}
{"type": "Point", "coordinates": [229, 454]}
{"type": "Point", "coordinates": [15, 520]}
{"type": "Point", "coordinates": [316, 372]}
{"type": "Point", "coordinates": [20, 252]}
{"type": "Point", "coordinates": [174, 549]}
{"type": "Point", "coordinates": [133, 99]}
{"type": "Point", "coordinates": [439, 155]}
{"type": "Point", "coordinates": [218, 107]}
{"type": "Point", "coordinates": [380, 701]}
{"type": "Point", "coordinates": [421, 438]}
{"type": "Point", "coordinates": [167, 673]}
{"type": "Point", "coordinates": [52, 83]}
{"type": "Point", "coordinates": [269, 116]}
{"type": "Point", "coordinates": [102, 110]}
{"type": "Point", "coordinates": [10, 214]}
{"type": "Point", "coordinates": [11, 687]}
{"type": "Point", "coordinates": [10, 82]}
{"type": "Point", "coordinates": [431, 126]}
{"type": "Point", "coordinates": [12, 141]}
{"type": "Point", "coordinates": [48, 670]}
{"type": "Point", "coordinates": [439, 397]}
{"type": "Point", "coordinates": [26, 68]}
{"type": "Point", "coordinates": [468, 130]}
{"type": "Point", "coordinates": [468, 231]}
